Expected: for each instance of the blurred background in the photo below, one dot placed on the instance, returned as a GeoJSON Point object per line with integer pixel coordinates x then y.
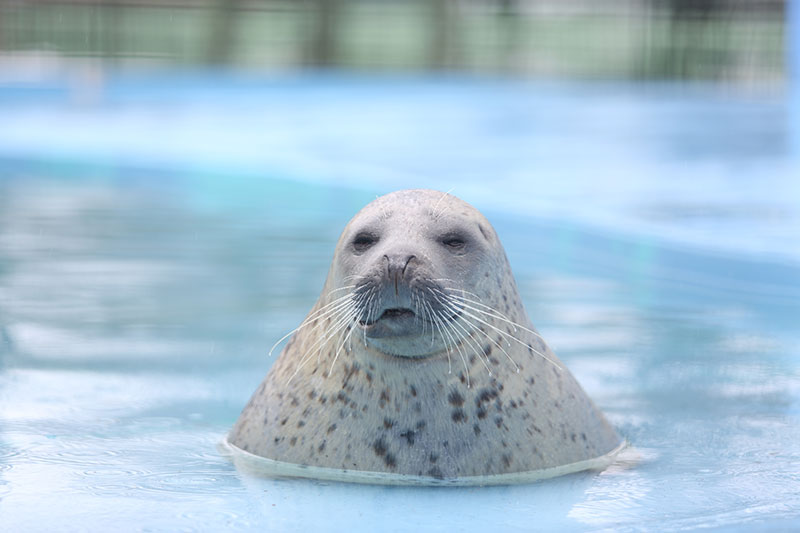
{"type": "Point", "coordinates": [726, 40]}
{"type": "Point", "coordinates": [174, 176]}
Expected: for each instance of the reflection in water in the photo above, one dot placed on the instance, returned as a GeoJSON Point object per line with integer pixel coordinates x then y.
{"type": "Point", "coordinates": [135, 322]}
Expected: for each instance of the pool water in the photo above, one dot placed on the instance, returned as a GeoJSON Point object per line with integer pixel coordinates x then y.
{"type": "Point", "coordinates": [154, 243]}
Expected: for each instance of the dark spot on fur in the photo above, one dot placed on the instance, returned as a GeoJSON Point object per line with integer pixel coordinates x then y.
{"type": "Point", "coordinates": [380, 447]}
{"type": "Point", "coordinates": [390, 460]}
{"type": "Point", "coordinates": [413, 391]}
{"type": "Point", "coordinates": [294, 402]}
{"type": "Point", "coordinates": [573, 436]}
{"type": "Point", "coordinates": [485, 395]}
{"type": "Point", "coordinates": [388, 423]}
{"type": "Point", "coordinates": [301, 423]}
{"type": "Point", "coordinates": [283, 422]}
{"type": "Point", "coordinates": [384, 399]}
{"type": "Point", "coordinates": [331, 429]}
{"type": "Point", "coordinates": [323, 399]}
{"type": "Point", "coordinates": [487, 350]}
{"type": "Point", "coordinates": [455, 399]}
{"type": "Point", "coordinates": [583, 436]}
{"type": "Point", "coordinates": [369, 377]}
{"type": "Point", "coordinates": [312, 394]}
{"type": "Point", "coordinates": [433, 457]}
{"type": "Point", "coordinates": [350, 371]}
{"type": "Point", "coordinates": [459, 415]}
{"type": "Point", "coordinates": [293, 441]}
{"type": "Point", "coordinates": [481, 413]}
{"type": "Point", "coordinates": [506, 460]}
{"type": "Point", "coordinates": [498, 420]}
{"type": "Point", "coordinates": [321, 447]}
{"type": "Point", "coordinates": [435, 472]}
{"type": "Point", "coordinates": [477, 429]}
{"type": "Point", "coordinates": [421, 425]}
{"type": "Point", "coordinates": [409, 435]}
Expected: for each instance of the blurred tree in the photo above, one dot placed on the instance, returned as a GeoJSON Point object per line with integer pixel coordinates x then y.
{"type": "Point", "coordinates": [222, 33]}
{"type": "Point", "coordinates": [323, 45]}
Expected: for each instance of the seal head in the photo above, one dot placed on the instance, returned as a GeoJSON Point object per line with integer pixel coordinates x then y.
{"type": "Point", "coordinates": [418, 360]}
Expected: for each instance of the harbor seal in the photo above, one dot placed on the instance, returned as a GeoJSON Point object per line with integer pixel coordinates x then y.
{"type": "Point", "coordinates": [419, 364]}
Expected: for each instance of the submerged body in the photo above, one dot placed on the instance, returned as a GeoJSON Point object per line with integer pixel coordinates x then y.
{"type": "Point", "coordinates": [419, 360]}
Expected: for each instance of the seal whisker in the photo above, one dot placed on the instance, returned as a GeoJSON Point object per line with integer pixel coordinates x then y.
{"type": "Point", "coordinates": [366, 311]}
{"type": "Point", "coordinates": [338, 317]}
{"type": "Point", "coordinates": [444, 195]}
{"type": "Point", "coordinates": [466, 335]}
{"type": "Point", "coordinates": [337, 289]}
{"type": "Point", "coordinates": [489, 337]}
{"type": "Point", "coordinates": [426, 311]}
{"type": "Point", "coordinates": [352, 311]}
{"type": "Point", "coordinates": [475, 328]}
{"type": "Point", "coordinates": [496, 314]}
{"type": "Point", "coordinates": [342, 320]}
{"type": "Point", "coordinates": [418, 316]}
{"type": "Point", "coordinates": [436, 322]}
{"type": "Point", "coordinates": [445, 325]}
{"type": "Point", "coordinates": [347, 337]}
{"type": "Point", "coordinates": [312, 317]}
{"type": "Point", "coordinates": [459, 289]}
{"type": "Point", "coordinates": [507, 335]}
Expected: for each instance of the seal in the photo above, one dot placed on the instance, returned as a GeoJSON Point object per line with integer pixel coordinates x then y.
{"type": "Point", "coordinates": [418, 364]}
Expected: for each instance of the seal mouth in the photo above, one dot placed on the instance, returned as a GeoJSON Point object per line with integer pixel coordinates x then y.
{"type": "Point", "coordinates": [391, 314]}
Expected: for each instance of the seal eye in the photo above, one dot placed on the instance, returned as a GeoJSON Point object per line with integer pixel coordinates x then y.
{"type": "Point", "coordinates": [454, 242]}
{"type": "Point", "coordinates": [364, 241]}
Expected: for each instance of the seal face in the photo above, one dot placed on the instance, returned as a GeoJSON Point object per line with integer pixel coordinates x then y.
{"type": "Point", "coordinates": [418, 359]}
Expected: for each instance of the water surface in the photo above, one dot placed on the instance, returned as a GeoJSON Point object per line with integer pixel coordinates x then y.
{"type": "Point", "coordinates": [138, 301]}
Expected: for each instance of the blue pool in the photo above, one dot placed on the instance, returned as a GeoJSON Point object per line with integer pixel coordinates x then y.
{"type": "Point", "coordinates": [158, 234]}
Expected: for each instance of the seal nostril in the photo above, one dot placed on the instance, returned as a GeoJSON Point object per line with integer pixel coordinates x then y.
{"type": "Point", "coordinates": [396, 266]}
{"type": "Point", "coordinates": [410, 258]}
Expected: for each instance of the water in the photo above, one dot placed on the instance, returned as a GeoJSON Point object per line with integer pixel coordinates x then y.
{"type": "Point", "coordinates": [155, 242]}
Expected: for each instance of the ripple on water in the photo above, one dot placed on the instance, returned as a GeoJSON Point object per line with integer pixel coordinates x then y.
{"type": "Point", "coordinates": [8, 456]}
{"type": "Point", "coordinates": [144, 483]}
